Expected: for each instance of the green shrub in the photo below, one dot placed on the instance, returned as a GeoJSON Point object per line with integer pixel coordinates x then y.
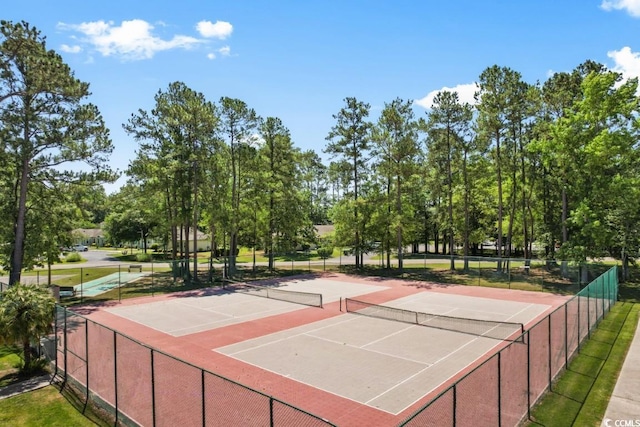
{"type": "Point", "coordinates": [143, 257]}
{"type": "Point", "coordinates": [325, 252]}
{"type": "Point", "coordinates": [35, 366]}
{"type": "Point", "coordinates": [73, 257]}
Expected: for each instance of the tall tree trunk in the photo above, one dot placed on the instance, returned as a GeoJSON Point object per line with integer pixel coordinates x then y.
{"type": "Point", "coordinates": [17, 255]}
{"type": "Point", "coordinates": [355, 205]}
{"type": "Point", "coordinates": [500, 204]}
{"type": "Point", "coordinates": [426, 230]}
{"type": "Point", "coordinates": [399, 229]}
{"type": "Point", "coordinates": [466, 212]}
{"type": "Point", "coordinates": [565, 233]}
{"type": "Point", "coordinates": [525, 228]}
{"type": "Point", "coordinates": [233, 243]}
{"type": "Point", "coordinates": [452, 265]}
{"type": "Point", "coordinates": [388, 222]}
{"type": "Point", "coordinates": [195, 221]}
{"type": "Point", "coordinates": [26, 351]}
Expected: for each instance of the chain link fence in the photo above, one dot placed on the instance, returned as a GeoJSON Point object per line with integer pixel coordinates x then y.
{"type": "Point", "coordinates": [118, 281]}
{"type": "Point", "coordinates": [502, 390]}
{"type": "Point", "coordinates": [135, 384]}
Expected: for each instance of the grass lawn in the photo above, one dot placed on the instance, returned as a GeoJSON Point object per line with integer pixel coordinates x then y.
{"type": "Point", "coordinates": [10, 359]}
{"type": "Point", "coordinates": [581, 394]}
{"type": "Point", "coordinates": [43, 407]}
{"type": "Point", "coordinates": [579, 397]}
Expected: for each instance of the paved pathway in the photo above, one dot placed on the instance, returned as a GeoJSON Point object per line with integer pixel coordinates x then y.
{"type": "Point", "coordinates": [24, 386]}
{"type": "Point", "coordinates": [624, 404]}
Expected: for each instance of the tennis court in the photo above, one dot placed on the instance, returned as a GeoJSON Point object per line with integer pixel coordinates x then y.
{"type": "Point", "coordinates": [236, 304]}
{"type": "Point", "coordinates": [385, 364]}
{"type": "Point", "coordinates": [343, 358]}
{"type": "Point", "coordinates": [106, 283]}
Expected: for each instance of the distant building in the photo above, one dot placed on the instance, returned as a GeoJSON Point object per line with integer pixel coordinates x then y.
{"type": "Point", "coordinates": [90, 236]}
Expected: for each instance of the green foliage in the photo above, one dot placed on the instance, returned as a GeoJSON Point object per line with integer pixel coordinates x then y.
{"type": "Point", "coordinates": [47, 132]}
{"type": "Point", "coordinates": [144, 257]}
{"type": "Point", "coordinates": [26, 314]}
{"type": "Point", "coordinates": [325, 252]}
{"type": "Point", "coordinates": [349, 140]}
{"type": "Point", "coordinates": [73, 257]}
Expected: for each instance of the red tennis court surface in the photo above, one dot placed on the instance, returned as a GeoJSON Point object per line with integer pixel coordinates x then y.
{"type": "Point", "coordinates": [351, 370]}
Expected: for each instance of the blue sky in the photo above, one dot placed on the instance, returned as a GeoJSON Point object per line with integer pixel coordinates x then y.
{"type": "Point", "coordinates": [298, 60]}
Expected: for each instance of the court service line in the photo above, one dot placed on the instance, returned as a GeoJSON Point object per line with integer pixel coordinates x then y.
{"type": "Point", "coordinates": [387, 336]}
{"type": "Point", "coordinates": [452, 307]}
{"type": "Point", "coordinates": [283, 339]}
{"type": "Point", "coordinates": [230, 317]}
{"type": "Point", "coordinates": [289, 377]}
{"type": "Point", "coordinates": [434, 363]}
{"type": "Point", "coordinates": [525, 308]}
{"type": "Point", "coordinates": [398, 385]}
{"type": "Point", "coordinates": [370, 350]}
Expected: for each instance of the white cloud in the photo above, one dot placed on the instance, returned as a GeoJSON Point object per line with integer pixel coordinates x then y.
{"type": "Point", "coordinates": [211, 55]}
{"type": "Point", "coordinates": [224, 51]}
{"type": "Point", "coordinates": [70, 49]}
{"type": "Point", "coordinates": [631, 6]}
{"type": "Point", "coordinates": [131, 40]}
{"type": "Point", "coordinates": [220, 30]}
{"type": "Point", "coordinates": [626, 62]}
{"type": "Point", "coordinates": [465, 94]}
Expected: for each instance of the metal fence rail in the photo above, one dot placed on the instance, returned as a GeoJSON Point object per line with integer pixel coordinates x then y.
{"type": "Point", "coordinates": [503, 389]}
{"type": "Point", "coordinates": [139, 385]}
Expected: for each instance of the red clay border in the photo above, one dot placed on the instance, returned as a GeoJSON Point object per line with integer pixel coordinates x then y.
{"type": "Point", "coordinates": [197, 348]}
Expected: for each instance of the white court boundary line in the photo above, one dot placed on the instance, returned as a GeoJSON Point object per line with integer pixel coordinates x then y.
{"type": "Point", "coordinates": [407, 379]}
{"type": "Point", "coordinates": [261, 314]}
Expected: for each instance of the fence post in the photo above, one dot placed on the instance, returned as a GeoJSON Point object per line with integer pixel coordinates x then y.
{"type": "Point", "coordinates": [529, 374]}
{"type": "Point", "coordinates": [86, 356]}
{"type": "Point", "coordinates": [578, 347]}
{"type": "Point", "coordinates": [204, 414]}
{"type": "Point", "coordinates": [455, 403]}
{"type": "Point", "coordinates": [55, 341]}
{"type": "Point", "coordinates": [81, 286]}
{"type": "Point", "coordinates": [152, 282]}
{"type": "Point", "coordinates": [119, 281]}
{"type": "Point", "coordinates": [153, 391]}
{"type": "Point", "coordinates": [115, 373]}
{"type": "Point", "coordinates": [66, 354]}
{"type": "Point", "coordinates": [549, 345]}
{"type": "Point", "coordinates": [271, 424]}
{"type": "Point", "coordinates": [499, 389]}
{"type": "Point", "coordinates": [566, 335]}
{"type": "Point", "coordinates": [609, 283]}
{"type": "Point", "coordinates": [602, 295]}
{"type": "Point", "coordinates": [588, 313]}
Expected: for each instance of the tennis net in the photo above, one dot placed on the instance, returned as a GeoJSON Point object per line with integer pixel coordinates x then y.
{"type": "Point", "coordinates": [305, 298]}
{"type": "Point", "coordinates": [486, 328]}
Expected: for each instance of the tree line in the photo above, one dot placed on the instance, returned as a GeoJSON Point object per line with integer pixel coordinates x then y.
{"type": "Point", "coordinates": [550, 167]}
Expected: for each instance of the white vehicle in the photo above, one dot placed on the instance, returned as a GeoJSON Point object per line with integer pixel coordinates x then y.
{"type": "Point", "coordinates": [79, 248]}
